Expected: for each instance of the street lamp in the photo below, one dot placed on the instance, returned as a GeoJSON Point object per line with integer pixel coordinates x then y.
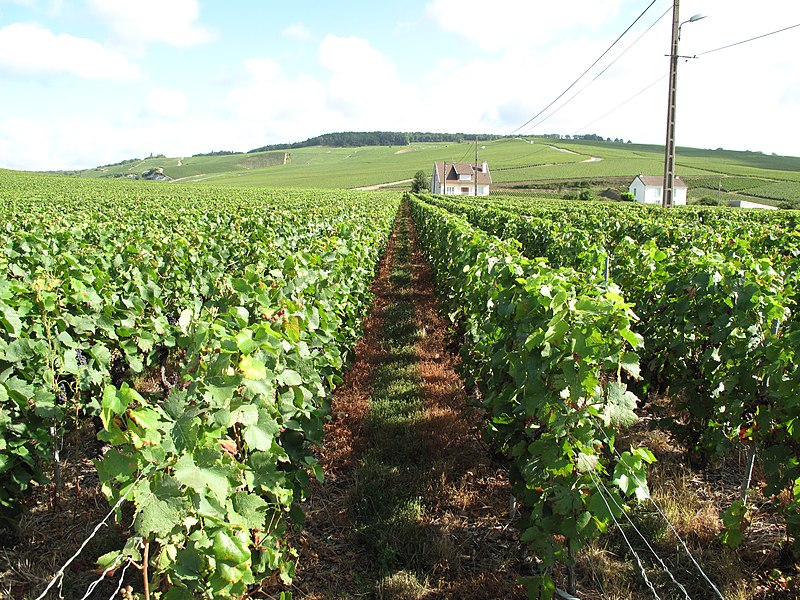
{"type": "Point", "coordinates": [692, 19]}
{"type": "Point", "coordinates": [669, 152]}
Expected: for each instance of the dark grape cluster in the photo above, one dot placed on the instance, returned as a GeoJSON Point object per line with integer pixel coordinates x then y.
{"type": "Point", "coordinates": [80, 358]}
{"type": "Point", "coordinates": [61, 397]}
{"type": "Point", "coordinates": [172, 319]}
{"type": "Point", "coordinates": [119, 368]}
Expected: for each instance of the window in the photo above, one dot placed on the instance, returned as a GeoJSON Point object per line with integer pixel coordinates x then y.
{"type": "Point", "coordinates": [465, 190]}
{"type": "Point", "coordinates": [658, 192]}
{"type": "Point", "coordinates": [450, 190]}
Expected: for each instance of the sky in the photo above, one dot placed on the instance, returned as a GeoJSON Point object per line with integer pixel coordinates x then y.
{"type": "Point", "coordinates": [91, 82]}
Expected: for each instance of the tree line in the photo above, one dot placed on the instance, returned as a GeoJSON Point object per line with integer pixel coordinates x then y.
{"type": "Point", "coordinates": [353, 139]}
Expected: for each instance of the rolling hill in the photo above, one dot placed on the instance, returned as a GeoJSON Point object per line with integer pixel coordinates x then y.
{"type": "Point", "coordinates": [541, 166]}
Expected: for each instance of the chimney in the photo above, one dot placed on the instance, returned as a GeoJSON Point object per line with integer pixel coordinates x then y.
{"type": "Point", "coordinates": [485, 167]}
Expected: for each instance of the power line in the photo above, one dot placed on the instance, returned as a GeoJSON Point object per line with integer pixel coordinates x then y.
{"type": "Point", "coordinates": [616, 108]}
{"type": "Point", "coordinates": [695, 56]}
{"type": "Point", "coordinates": [601, 73]}
{"type": "Point", "coordinates": [663, 76]}
{"type": "Point", "coordinates": [749, 40]}
{"type": "Point", "coordinates": [463, 158]}
{"type": "Point", "coordinates": [572, 85]}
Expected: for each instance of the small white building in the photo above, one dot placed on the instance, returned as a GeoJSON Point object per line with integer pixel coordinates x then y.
{"type": "Point", "coordinates": [748, 204]}
{"type": "Point", "coordinates": [650, 190]}
{"type": "Point", "coordinates": [459, 179]}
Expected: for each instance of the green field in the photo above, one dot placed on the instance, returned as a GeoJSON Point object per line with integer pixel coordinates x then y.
{"type": "Point", "coordinates": [547, 166]}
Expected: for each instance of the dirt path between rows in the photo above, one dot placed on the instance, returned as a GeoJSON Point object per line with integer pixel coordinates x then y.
{"type": "Point", "coordinates": [377, 186]}
{"type": "Point", "coordinates": [468, 493]}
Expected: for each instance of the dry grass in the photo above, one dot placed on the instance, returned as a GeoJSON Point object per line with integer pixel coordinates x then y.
{"type": "Point", "coordinates": [400, 586]}
{"type": "Point", "coordinates": [691, 499]}
{"type": "Point", "coordinates": [331, 562]}
{"type": "Point", "coordinates": [469, 492]}
{"type": "Point", "coordinates": [52, 529]}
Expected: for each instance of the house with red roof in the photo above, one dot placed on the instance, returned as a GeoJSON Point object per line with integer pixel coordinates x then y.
{"type": "Point", "coordinates": [460, 179]}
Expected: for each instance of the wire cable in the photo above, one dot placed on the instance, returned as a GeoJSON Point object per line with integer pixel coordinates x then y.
{"type": "Point", "coordinates": [616, 108]}
{"type": "Point", "coordinates": [625, 537]}
{"type": "Point", "coordinates": [644, 539]}
{"type": "Point", "coordinates": [601, 73]}
{"type": "Point", "coordinates": [466, 154]}
{"type": "Point", "coordinates": [121, 579]}
{"type": "Point", "coordinates": [674, 531]}
{"type": "Point", "coordinates": [666, 75]}
{"type": "Point", "coordinates": [574, 83]}
{"type": "Point", "coordinates": [90, 590]}
{"type": "Point", "coordinates": [60, 574]}
{"type": "Point", "coordinates": [748, 40]}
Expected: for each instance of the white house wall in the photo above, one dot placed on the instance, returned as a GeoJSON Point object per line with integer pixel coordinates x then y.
{"type": "Point", "coordinates": [453, 187]}
{"type": "Point", "coordinates": [455, 190]}
{"type": "Point", "coordinates": [651, 195]}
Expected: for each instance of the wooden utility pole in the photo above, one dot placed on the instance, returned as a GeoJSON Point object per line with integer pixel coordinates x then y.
{"type": "Point", "coordinates": [669, 152]}
{"type": "Point", "coordinates": [476, 165]}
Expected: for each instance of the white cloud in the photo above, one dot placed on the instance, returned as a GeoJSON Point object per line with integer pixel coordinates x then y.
{"type": "Point", "coordinates": [24, 145]}
{"type": "Point", "coordinates": [297, 31]}
{"type": "Point", "coordinates": [505, 24]}
{"type": "Point", "coordinates": [359, 90]}
{"type": "Point", "coordinates": [336, 52]}
{"type": "Point", "coordinates": [145, 21]}
{"type": "Point", "coordinates": [262, 69]}
{"type": "Point", "coordinates": [31, 50]}
{"type": "Point", "coordinates": [167, 102]}
{"type": "Point", "coordinates": [277, 107]}
{"type": "Point", "coordinates": [741, 98]}
{"type": "Point", "coordinates": [45, 145]}
{"type": "Point", "coordinates": [82, 142]}
{"type": "Point", "coordinates": [363, 82]}
{"type": "Point", "coordinates": [29, 144]}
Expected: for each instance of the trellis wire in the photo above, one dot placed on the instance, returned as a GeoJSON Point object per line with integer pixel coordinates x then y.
{"type": "Point", "coordinates": [675, 533]}
{"type": "Point", "coordinates": [96, 582]}
{"type": "Point", "coordinates": [644, 539]}
{"type": "Point", "coordinates": [60, 573]}
{"type": "Point", "coordinates": [121, 579]}
{"type": "Point", "coordinates": [625, 537]}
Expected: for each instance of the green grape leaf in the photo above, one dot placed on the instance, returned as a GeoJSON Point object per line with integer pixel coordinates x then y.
{"type": "Point", "coordinates": [201, 479]}
{"type": "Point", "coordinates": [252, 368]}
{"type": "Point", "coordinates": [620, 404]}
{"type": "Point", "coordinates": [252, 508]}
{"type": "Point", "coordinates": [259, 435]}
{"type": "Point", "coordinates": [290, 377]}
{"type": "Point", "coordinates": [159, 517]}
